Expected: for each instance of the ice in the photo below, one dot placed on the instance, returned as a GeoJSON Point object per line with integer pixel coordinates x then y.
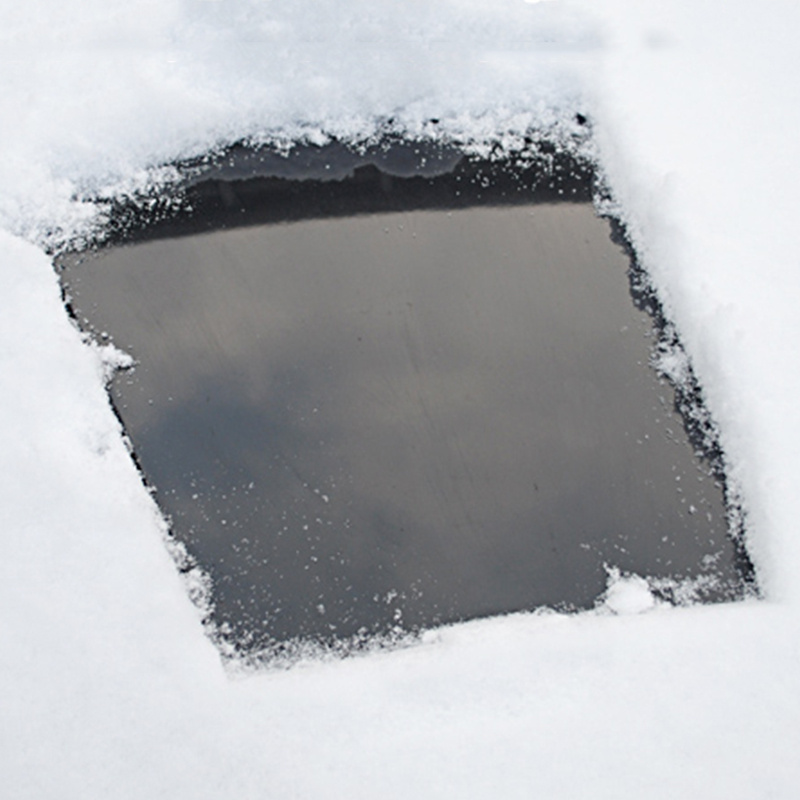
{"type": "Point", "coordinates": [109, 687]}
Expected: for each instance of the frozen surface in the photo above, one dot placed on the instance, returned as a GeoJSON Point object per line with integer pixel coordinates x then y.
{"type": "Point", "coordinates": [109, 688]}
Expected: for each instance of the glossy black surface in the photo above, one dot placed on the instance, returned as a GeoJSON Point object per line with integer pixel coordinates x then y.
{"type": "Point", "coordinates": [402, 418]}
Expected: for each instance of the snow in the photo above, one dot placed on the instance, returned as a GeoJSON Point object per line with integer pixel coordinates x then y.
{"type": "Point", "coordinates": [109, 688]}
{"type": "Point", "coordinates": [628, 594]}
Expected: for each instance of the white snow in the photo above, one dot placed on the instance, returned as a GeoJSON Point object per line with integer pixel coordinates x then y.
{"type": "Point", "coordinates": [627, 594]}
{"type": "Point", "coordinates": [109, 688]}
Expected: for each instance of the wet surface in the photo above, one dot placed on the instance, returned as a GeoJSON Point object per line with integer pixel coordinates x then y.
{"type": "Point", "coordinates": [364, 422]}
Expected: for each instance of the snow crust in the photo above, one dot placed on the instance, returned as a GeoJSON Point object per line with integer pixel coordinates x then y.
{"type": "Point", "coordinates": [109, 688]}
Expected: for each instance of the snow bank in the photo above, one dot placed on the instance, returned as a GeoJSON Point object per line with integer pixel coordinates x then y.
{"type": "Point", "coordinates": [695, 117]}
{"type": "Point", "coordinates": [95, 98]}
{"type": "Point", "coordinates": [109, 688]}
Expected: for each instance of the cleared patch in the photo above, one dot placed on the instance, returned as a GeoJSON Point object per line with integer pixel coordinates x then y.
{"type": "Point", "coordinates": [381, 390]}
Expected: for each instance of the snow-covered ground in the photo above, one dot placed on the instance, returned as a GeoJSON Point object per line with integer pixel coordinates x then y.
{"type": "Point", "coordinates": [109, 688]}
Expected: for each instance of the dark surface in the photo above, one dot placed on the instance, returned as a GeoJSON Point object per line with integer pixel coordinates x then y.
{"type": "Point", "coordinates": [245, 187]}
{"type": "Point", "coordinates": [400, 419]}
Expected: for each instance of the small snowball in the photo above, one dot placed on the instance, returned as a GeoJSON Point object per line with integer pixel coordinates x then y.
{"type": "Point", "coordinates": [627, 594]}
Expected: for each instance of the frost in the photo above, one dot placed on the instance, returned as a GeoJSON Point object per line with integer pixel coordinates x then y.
{"type": "Point", "coordinates": [671, 361]}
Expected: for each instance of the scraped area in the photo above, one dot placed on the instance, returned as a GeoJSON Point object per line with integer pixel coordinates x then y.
{"type": "Point", "coordinates": [109, 688]}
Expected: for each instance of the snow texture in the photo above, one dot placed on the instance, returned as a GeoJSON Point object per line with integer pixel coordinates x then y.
{"type": "Point", "coordinates": [627, 594]}
{"type": "Point", "coordinates": [109, 687]}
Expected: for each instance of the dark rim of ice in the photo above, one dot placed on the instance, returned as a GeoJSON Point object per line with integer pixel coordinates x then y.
{"type": "Point", "coordinates": [250, 185]}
